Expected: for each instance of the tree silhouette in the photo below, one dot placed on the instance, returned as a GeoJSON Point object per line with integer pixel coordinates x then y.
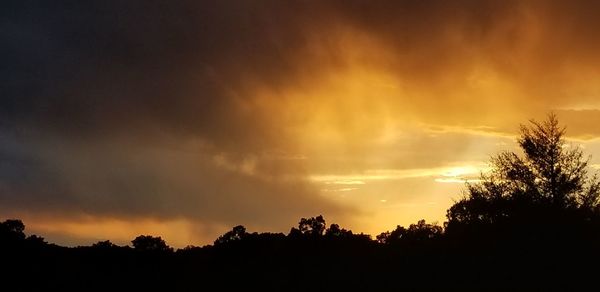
{"type": "Point", "coordinates": [419, 232]}
{"type": "Point", "coordinates": [335, 231]}
{"type": "Point", "coordinates": [548, 177]}
{"type": "Point", "coordinates": [236, 234]}
{"type": "Point", "coordinates": [12, 231]}
{"type": "Point", "coordinates": [150, 243]}
{"type": "Point", "coordinates": [13, 226]}
{"type": "Point", "coordinates": [393, 237]}
{"type": "Point", "coordinates": [423, 231]}
{"type": "Point", "coordinates": [314, 226]}
{"type": "Point", "coordinates": [106, 244]}
{"type": "Point", "coordinates": [35, 240]}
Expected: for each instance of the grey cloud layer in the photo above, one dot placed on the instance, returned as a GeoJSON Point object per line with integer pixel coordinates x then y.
{"type": "Point", "coordinates": [96, 95]}
{"type": "Point", "coordinates": [109, 66]}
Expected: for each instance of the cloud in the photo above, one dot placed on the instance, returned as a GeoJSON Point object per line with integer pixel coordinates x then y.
{"type": "Point", "coordinates": [460, 172]}
{"type": "Point", "coordinates": [220, 113]}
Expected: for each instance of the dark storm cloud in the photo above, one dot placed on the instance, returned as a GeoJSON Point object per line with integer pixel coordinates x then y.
{"type": "Point", "coordinates": [91, 90]}
{"type": "Point", "coordinates": [88, 68]}
{"type": "Point", "coordinates": [106, 66]}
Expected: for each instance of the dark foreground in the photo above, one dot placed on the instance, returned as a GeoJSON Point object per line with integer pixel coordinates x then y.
{"type": "Point", "coordinates": [304, 262]}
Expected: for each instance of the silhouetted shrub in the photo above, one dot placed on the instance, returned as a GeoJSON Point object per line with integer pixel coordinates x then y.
{"type": "Point", "coordinates": [150, 243]}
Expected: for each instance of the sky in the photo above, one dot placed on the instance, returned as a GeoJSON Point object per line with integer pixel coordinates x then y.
{"type": "Point", "coordinates": [182, 119]}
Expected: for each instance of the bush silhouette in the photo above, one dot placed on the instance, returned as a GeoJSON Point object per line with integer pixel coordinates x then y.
{"type": "Point", "coordinates": [150, 243]}
{"type": "Point", "coordinates": [106, 244]}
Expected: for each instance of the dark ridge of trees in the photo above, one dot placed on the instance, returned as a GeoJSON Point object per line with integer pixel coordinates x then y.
{"type": "Point", "coordinates": [531, 223]}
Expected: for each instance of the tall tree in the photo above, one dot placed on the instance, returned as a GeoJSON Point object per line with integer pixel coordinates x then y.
{"type": "Point", "coordinates": [549, 174]}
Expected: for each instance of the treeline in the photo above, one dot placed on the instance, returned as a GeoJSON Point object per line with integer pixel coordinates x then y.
{"type": "Point", "coordinates": [12, 236]}
{"type": "Point", "coordinates": [422, 256]}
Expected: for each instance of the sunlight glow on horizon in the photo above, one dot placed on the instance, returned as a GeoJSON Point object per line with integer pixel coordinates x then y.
{"type": "Point", "coordinates": [443, 174]}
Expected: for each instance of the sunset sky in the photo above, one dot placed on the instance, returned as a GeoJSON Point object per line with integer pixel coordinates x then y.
{"type": "Point", "coordinates": [185, 118]}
